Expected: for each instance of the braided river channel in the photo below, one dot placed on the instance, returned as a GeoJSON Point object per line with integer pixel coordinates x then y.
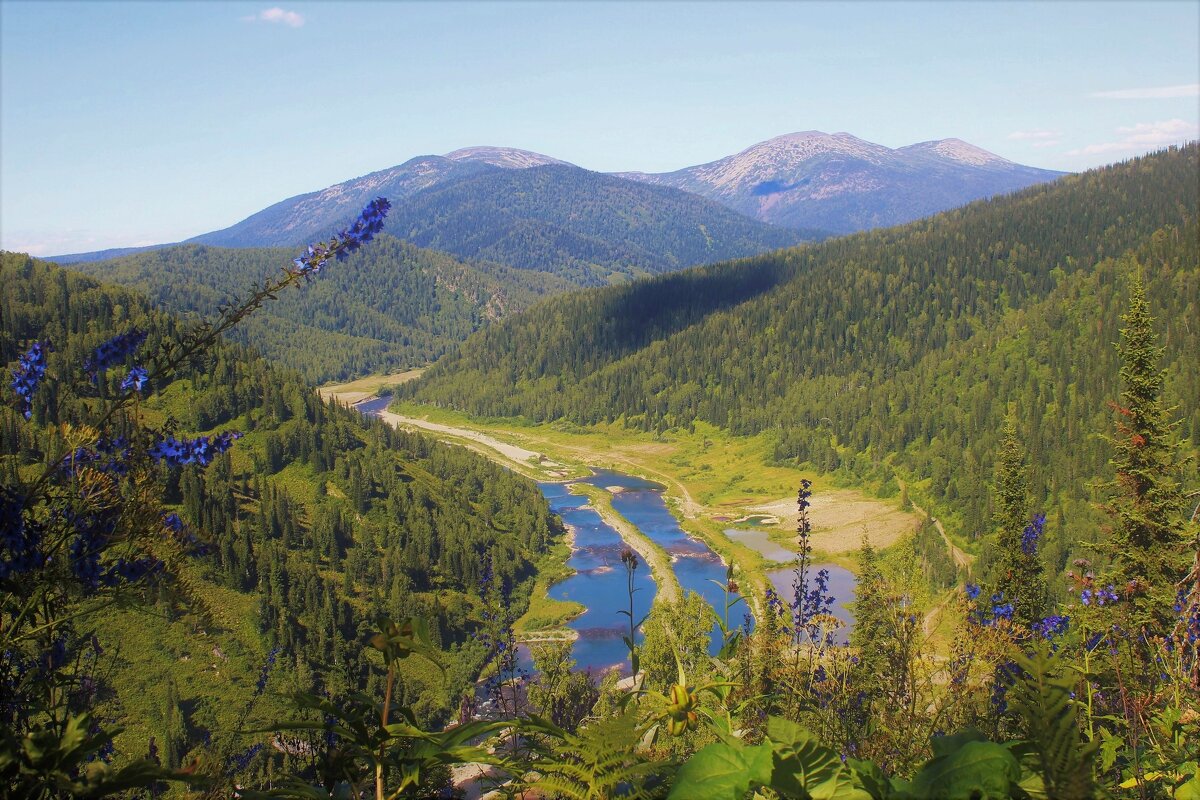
{"type": "Point", "coordinates": [600, 580]}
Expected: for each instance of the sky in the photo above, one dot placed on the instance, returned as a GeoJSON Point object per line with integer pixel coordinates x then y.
{"type": "Point", "coordinates": [135, 123]}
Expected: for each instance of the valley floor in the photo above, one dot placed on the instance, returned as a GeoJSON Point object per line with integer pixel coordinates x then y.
{"type": "Point", "coordinates": [713, 481]}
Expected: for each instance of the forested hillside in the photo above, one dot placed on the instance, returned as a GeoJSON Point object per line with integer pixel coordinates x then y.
{"type": "Point", "coordinates": [394, 306]}
{"type": "Point", "coordinates": [315, 523]}
{"type": "Point", "coordinates": [904, 347]}
{"type": "Point", "coordinates": [590, 228]}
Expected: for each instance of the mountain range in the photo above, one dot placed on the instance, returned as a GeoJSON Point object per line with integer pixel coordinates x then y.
{"type": "Point", "coordinates": [841, 184]}
{"type": "Point", "coordinates": [533, 211]}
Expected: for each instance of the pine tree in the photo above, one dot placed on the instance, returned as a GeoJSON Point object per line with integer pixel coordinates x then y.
{"type": "Point", "coordinates": [1147, 545]}
{"type": "Point", "coordinates": [1018, 571]}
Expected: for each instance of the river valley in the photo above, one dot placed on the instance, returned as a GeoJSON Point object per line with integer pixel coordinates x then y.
{"type": "Point", "coordinates": [599, 582]}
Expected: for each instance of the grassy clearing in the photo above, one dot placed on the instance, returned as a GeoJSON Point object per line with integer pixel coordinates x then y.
{"type": "Point", "coordinates": [546, 615]}
{"type": "Point", "coordinates": [364, 388]}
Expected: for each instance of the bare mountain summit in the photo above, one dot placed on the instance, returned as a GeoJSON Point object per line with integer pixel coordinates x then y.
{"type": "Point", "coordinates": [840, 183]}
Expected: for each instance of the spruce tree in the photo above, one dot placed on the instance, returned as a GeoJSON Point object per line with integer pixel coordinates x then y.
{"type": "Point", "coordinates": [871, 610]}
{"type": "Point", "coordinates": [1147, 545]}
{"type": "Point", "coordinates": [1018, 570]}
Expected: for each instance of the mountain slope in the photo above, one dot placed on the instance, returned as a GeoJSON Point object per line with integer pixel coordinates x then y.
{"type": "Point", "coordinates": [840, 183]}
{"type": "Point", "coordinates": [391, 306]}
{"type": "Point", "coordinates": [588, 227]}
{"type": "Point", "coordinates": [869, 338]}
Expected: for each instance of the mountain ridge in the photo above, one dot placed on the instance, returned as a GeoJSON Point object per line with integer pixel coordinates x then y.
{"type": "Point", "coordinates": [808, 181]}
{"type": "Point", "coordinates": [841, 183]}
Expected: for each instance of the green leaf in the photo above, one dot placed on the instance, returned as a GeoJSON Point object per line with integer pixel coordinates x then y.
{"type": "Point", "coordinates": [721, 771]}
{"type": "Point", "coordinates": [872, 779]}
{"type": "Point", "coordinates": [977, 769]}
{"type": "Point", "coordinates": [804, 768]}
{"type": "Point", "coordinates": [1189, 790]}
{"type": "Point", "coordinates": [948, 745]}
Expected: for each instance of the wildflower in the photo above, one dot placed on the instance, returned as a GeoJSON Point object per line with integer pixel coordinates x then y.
{"type": "Point", "coordinates": [774, 604]}
{"type": "Point", "coordinates": [135, 380]}
{"type": "Point", "coordinates": [1033, 532]}
{"type": "Point", "coordinates": [240, 762]}
{"type": "Point", "coordinates": [1052, 626]}
{"type": "Point", "coordinates": [30, 369]}
{"type": "Point", "coordinates": [106, 455]}
{"type": "Point", "coordinates": [261, 686]}
{"type": "Point", "coordinates": [200, 451]}
{"type": "Point", "coordinates": [972, 591]}
{"type": "Point", "coordinates": [112, 352]}
{"type": "Point", "coordinates": [629, 558]}
{"type": "Point", "coordinates": [364, 229]}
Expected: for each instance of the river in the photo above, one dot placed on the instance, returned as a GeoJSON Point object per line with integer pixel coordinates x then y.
{"type": "Point", "coordinates": [599, 582]}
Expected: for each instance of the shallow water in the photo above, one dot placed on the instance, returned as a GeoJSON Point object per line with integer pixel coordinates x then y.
{"type": "Point", "coordinates": [599, 583]}
{"type": "Point", "coordinates": [758, 539]}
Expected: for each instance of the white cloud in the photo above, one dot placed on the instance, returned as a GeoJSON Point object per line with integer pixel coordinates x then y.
{"type": "Point", "coordinates": [292, 19]}
{"type": "Point", "coordinates": [1144, 136]}
{"type": "Point", "coordinates": [1046, 143]}
{"type": "Point", "coordinates": [1152, 92]}
{"type": "Point", "coordinates": [1034, 136]}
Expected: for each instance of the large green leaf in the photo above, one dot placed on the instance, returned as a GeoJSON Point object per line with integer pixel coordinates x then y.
{"type": "Point", "coordinates": [722, 771]}
{"type": "Point", "coordinates": [804, 768]}
{"type": "Point", "coordinates": [977, 770]}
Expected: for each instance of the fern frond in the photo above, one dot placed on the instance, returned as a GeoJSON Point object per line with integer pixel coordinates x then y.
{"type": "Point", "coordinates": [599, 762]}
{"type": "Point", "coordinates": [1043, 700]}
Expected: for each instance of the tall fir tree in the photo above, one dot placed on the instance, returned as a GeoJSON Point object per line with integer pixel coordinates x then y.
{"type": "Point", "coordinates": [871, 609]}
{"type": "Point", "coordinates": [1018, 570]}
{"type": "Point", "coordinates": [1147, 547]}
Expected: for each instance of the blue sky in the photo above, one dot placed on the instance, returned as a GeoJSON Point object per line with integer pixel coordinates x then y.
{"type": "Point", "coordinates": [146, 122]}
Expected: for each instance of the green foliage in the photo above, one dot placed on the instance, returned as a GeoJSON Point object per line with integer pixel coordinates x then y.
{"type": "Point", "coordinates": [44, 763]}
{"type": "Point", "coordinates": [1050, 716]}
{"type": "Point", "coordinates": [559, 692]}
{"type": "Point", "coordinates": [676, 636]}
{"type": "Point", "coordinates": [967, 766]}
{"type": "Point", "coordinates": [316, 520]}
{"type": "Point", "coordinates": [363, 746]}
{"type": "Point", "coordinates": [387, 307]}
{"type": "Point", "coordinates": [1017, 574]}
{"type": "Point", "coordinates": [603, 760]}
{"type": "Point", "coordinates": [1147, 507]}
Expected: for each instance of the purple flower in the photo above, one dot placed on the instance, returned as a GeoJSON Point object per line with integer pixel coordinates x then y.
{"type": "Point", "coordinates": [261, 686]}
{"type": "Point", "coordinates": [113, 352]}
{"type": "Point", "coordinates": [1033, 532]}
{"type": "Point", "coordinates": [107, 455]}
{"type": "Point", "coordinates": [135, 380]}
{"type": "Point", "coordinates": [199, 451]}
{"type": "Point", "coordinates": [30, 369]}
{"type": "Point", "coordinates": [1052, 626]}
{"type": "Point", "coordinates": [972, 591]}
{"type": "Point", "coordinates": [364, 229]}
